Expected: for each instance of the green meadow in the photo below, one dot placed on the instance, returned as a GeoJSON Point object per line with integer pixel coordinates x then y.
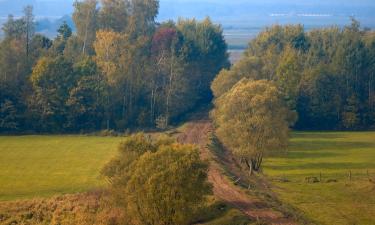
{"type": "Point", "coordinates": [336, 197]}
{"type": "Point", "coordinates": [42, 166]}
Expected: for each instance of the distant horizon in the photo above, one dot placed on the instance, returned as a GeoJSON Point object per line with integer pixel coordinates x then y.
{"type": "Point", "coordinates": [241, 19]}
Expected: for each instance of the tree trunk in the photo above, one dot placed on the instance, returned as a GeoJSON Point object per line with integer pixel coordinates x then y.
{"type": "Point", "coordinates": [249, 164]}
{"type": "Point", "coordinates": [86, 32]}
{"type": "Point", "coordinates": [169, 90]}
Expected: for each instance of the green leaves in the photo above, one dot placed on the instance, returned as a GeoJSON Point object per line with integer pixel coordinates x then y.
{"type": "Point", "coordinates": [158, 181]}
{"type": "Point", "coordinates": [317, 72]}
{"type": "Point", "coordinates": [252, 119]}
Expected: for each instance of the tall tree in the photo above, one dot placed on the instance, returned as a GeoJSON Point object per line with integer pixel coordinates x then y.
{"type": "Point", "coordinates": [52, 79]}
{"type": "Point", "coordinates": [29, 27]}
{"type": "Point", "coordinates": [114, 15]}
{"type": "Point", "coordinates": [14, 29]}
{"type": "Point", "coordinates": [289, 74]}
{"type": "Point", "coordinates": [85, 19]}
{"type": "Point", "coordinates": [142, 18]}
{"type": "Point", "coordinates": [205, 50]}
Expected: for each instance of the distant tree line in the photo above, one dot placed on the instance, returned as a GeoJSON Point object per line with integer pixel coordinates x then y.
{"type": "Point", "coordinates": [326, 75]}
{"type": "Point", "coordinates": [120, 69]}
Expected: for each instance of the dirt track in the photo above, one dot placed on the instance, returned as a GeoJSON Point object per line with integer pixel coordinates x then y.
{"type": "Point", "coordinates": [198, 133]}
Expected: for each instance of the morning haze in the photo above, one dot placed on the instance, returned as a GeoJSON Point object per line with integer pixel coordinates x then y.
{"type": "Point", "coordinates": [187, 112]}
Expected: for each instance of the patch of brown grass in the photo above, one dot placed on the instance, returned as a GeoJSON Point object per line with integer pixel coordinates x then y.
{"type": "Point", "coordinates": [92, 208]}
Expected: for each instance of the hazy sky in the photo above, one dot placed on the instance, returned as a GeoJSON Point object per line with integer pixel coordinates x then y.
{"type": "Point", "coordinates": [252, 11]}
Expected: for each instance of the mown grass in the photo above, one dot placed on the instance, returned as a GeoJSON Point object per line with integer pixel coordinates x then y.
{"type": "Point", "coordinates": [43, 166]}
{"type": "Point", "coordinates": [336, 199]}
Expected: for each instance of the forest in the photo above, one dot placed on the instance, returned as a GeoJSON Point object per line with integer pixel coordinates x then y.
{"type": "Point", "coordinates": [120, 70]}
{"type": "Point", "coordinates": [123, 70]}
{"type": "Point", "coordinates": [221, 142]}
{"type": "Point", "coordinates": [327, 75]}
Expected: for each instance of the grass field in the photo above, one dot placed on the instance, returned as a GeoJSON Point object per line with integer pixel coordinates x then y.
{"type": "Point", "coordinates": [35, 167]}
{"type": "Point", "coordinates": [336, 199]}
{"type": "Point", "coordinates": [42, 166]}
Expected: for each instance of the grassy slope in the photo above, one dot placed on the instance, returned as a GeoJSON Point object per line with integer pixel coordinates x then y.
{"type": "Point", "coordinates": [333, 155]}
{"type": "Point", "coordinates": [40, 166]}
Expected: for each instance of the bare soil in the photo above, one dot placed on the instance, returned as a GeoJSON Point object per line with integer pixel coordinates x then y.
{"type": "Point", "coordinates": [199, 133]}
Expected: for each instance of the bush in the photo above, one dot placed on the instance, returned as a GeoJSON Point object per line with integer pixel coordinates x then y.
{"type": "Point", "coordinates": [158, 181]}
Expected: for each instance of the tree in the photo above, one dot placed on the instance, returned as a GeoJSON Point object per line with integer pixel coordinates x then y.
{"type": "Point", "coordinates": [29, 26]}
{"type": "Point", "coordinates": [85, 18]}
{"type": "Point", "coordinates": [87, 99]}
{"type": "Point", "coordinates": [289, 74]}
{"type": "Point", "coordinates": [108, 54]}
{"type": "Point", "coordinates": [319, 102]}
{"type": "Point", "coordinates": [86, 104]}
{"type": "Point", "coordinates": [247, 67]}
{"type": "Point", "coordinates": [21, 29]}
{"type": "Point", "coordinates": [64, 32]}
{"type": "Point", "coordinates": [129, 152]}
{"type": "Point", "coordinates": [52, 79]}
{"type": "Point", "coordinates": [159, 182]}
{"type": "Point", "coordinates": [13, 29]}
{"type": "Point", "coordinates": [205, 50]}
{"type": "Point", "coordinates": [114, 15]}
{"type": "Point", "coordinates": [350, 117]}
{"type": "Point", "coordinates": [252, 119]}
{"type": "Point", "coordinates": [142, 19]}
{"type": "Point", "coordinates": [169, 79]}
{"type": "Point", "coordinates": [8, 116]}
{"type": "Point", "coordinates": [72, 48]}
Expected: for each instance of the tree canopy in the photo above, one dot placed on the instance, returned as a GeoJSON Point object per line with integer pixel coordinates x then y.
{"type": "Point", "coordinates": [120, 70]}
{"type": "Point", "coordinates": [326, 75]}
{"type": "Point", "coordinates": [158, 181]}
{"type": "Point", "coordinates": [251, 119]}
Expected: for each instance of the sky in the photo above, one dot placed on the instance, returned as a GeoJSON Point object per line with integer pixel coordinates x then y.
{"type": "Point", "coordinates": [236, 13]}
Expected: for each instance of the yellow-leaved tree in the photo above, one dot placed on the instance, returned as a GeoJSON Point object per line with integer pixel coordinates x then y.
{"type": "Point", "coordinates": [252, 119]}
{"type": "Point", "coordinates": [158, 182]}
{"type": "Point", "coordinates": [108, 53]}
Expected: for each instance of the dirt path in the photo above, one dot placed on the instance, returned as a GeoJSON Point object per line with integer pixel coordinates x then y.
{"type": "Point", "coordinates": [198, 133]}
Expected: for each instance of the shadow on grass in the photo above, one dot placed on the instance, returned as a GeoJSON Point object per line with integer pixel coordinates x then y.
{"type": "Point", "coordinates": [318, 135]}
{"type": "Point", "coordinates": [329, 145]}
{"type": "Point", "coordinates": [321, 166]}
{"type": "Point", "coordinates": [320, 149]}
{"type": "Point", "coordinates": [305, 155]}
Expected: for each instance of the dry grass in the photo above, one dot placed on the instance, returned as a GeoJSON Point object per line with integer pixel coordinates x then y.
{"type": "Point", "coordinates": [92, 208]}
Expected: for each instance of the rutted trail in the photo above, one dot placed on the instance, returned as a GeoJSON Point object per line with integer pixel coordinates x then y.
{"type": "Point", "coordinates": [199, 133]}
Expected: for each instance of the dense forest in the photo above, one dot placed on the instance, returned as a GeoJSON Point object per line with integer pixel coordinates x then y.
{"type": "Point", "coordinates": [120, 69]}
{"type": "Point", "coordinates": [123, 70]}
{"type": "Point", "coordinates": [327, 75]}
